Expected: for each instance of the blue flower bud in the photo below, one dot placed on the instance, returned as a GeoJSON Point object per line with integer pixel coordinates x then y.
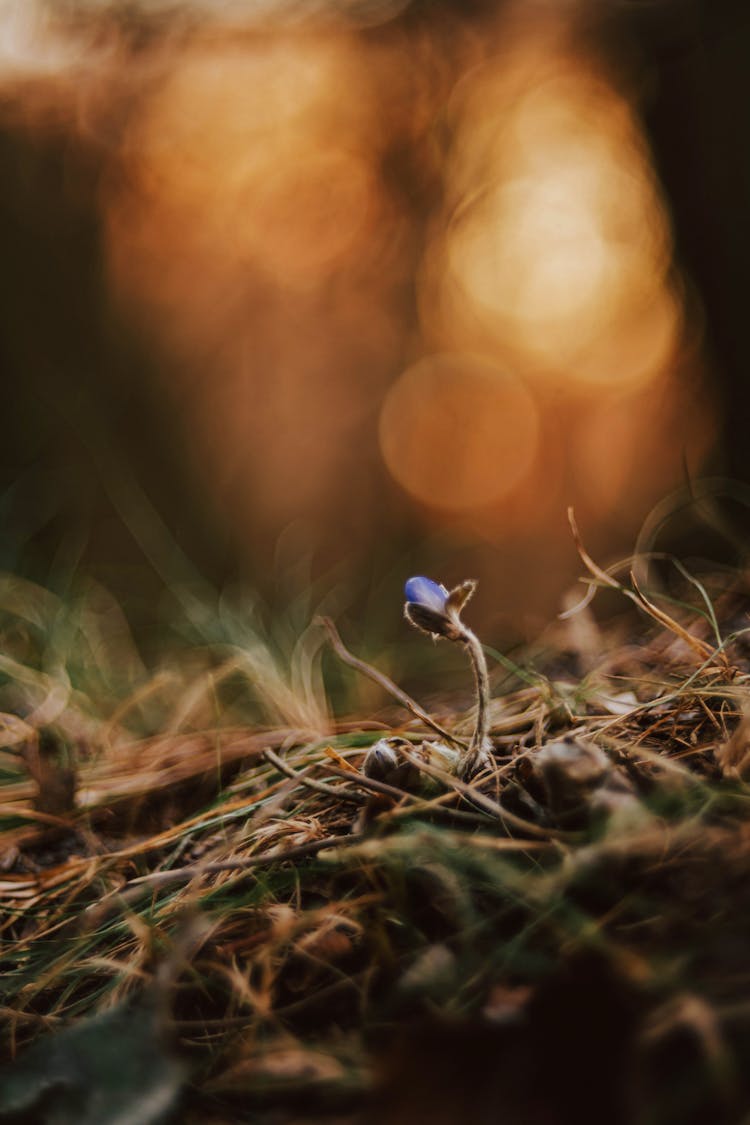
{"type": "Point", "coordinates": [427, 594]}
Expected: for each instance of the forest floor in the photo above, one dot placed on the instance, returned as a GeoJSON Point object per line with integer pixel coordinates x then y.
{"type": "Point", "coordinates": [224, 922]}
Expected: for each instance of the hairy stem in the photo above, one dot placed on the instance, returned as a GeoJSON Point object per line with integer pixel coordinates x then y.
{"type": "Point", "coordinates": [477, 756]}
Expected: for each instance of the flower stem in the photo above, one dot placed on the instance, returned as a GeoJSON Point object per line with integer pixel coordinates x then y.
{"type": "Point", "coordinates": [477, 756]}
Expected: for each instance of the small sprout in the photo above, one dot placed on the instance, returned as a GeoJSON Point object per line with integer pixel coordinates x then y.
{"type": "Point", "coordinates": [396, 761]}
{"type": "Point", "coordinates": [385, 762]}
{"type": "Point", "coordinates": [435, 610]}
{"type": "Point", "coordinates": [440, 755]}
{"type": "Point", "coordinates": [381, 760]}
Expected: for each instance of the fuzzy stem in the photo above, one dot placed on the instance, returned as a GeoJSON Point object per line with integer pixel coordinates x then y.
{"type": "Point", "coordinates": [476, 757]}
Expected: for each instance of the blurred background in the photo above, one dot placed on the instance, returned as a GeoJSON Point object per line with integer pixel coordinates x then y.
{"type": "Point", "coordinates": [311, 296]}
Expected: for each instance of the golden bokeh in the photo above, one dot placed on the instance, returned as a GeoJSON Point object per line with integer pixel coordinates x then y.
{"type": "Point", "coordinates": [555, 248]}
{"type": "Point", "coordinates": [291, 213]}
{"type": "Point", "coordinates": [625, 442]}
{"type": "Point", "coordinates": [244, 160]}
{"type": "Point", "coordinates": [457, 433]}
{"type": "Point", "coordinates": [250, 233]}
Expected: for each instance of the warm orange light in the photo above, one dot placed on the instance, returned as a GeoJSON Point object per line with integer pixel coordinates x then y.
{"type": "Point", "coordinates": [289, 207]}
{"type": "Point", "coordinates": [244, 164]}
{"type": "Point", "coordinates": [629, 449]}
{"type": "Point", "coordinates": [257, 228]}
{"type": "Point", "coordinates": [457, 433]}
{"type": "Point", "coordinates": [556, 250]}
{"type": "Point", "coordinates": [252, 232]}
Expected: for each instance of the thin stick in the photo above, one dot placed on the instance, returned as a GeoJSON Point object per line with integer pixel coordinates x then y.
{"type": "Point", "coordinates": [194, 870]}
{"type": "Point", "coordinates": [375, 847]}
{"type": "Point", "coordinates": [380, 678]}
{"type": "Point", "coordinates": [417, 804]}
{"type": "Point", "coordinates": [435, 807]}
{"type": "Point", "coordinates": [340, 793]}
{"type": "Point", "coordinates": [486, 803]}
{"type": "Point", "coordinates": [370, 783]}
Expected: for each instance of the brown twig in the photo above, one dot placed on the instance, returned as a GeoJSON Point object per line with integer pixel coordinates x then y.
{"type": "Point", "coordinates": [387, 684]}
{"type": "Point", "coordinates": [417, 804]}
{"type": "Point", "coordinates": [340, 793]}
{"type": "Point", "coordinates": [195, 870]}
{"type": "Point", "coordinates": [486, 803]}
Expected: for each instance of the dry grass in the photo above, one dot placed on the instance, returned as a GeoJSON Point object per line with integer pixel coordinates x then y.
{"type": "Point", "coordinates": [324, 945]}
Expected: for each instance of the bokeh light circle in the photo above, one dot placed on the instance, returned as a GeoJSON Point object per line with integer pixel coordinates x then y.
{"type": "Point", "coordinates": [554, 248]}
{"type": "Point", "coordinates": [458, 433]}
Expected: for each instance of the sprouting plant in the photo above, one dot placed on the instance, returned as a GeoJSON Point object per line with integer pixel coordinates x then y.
{"type": "Point", "coordinates": [435, 610]}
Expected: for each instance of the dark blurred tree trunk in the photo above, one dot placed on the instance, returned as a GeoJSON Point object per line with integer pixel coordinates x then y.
{"type": "Point", "coordinates": [697, 111]}
{"type": "Point", "coordinates": [78, 400]}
